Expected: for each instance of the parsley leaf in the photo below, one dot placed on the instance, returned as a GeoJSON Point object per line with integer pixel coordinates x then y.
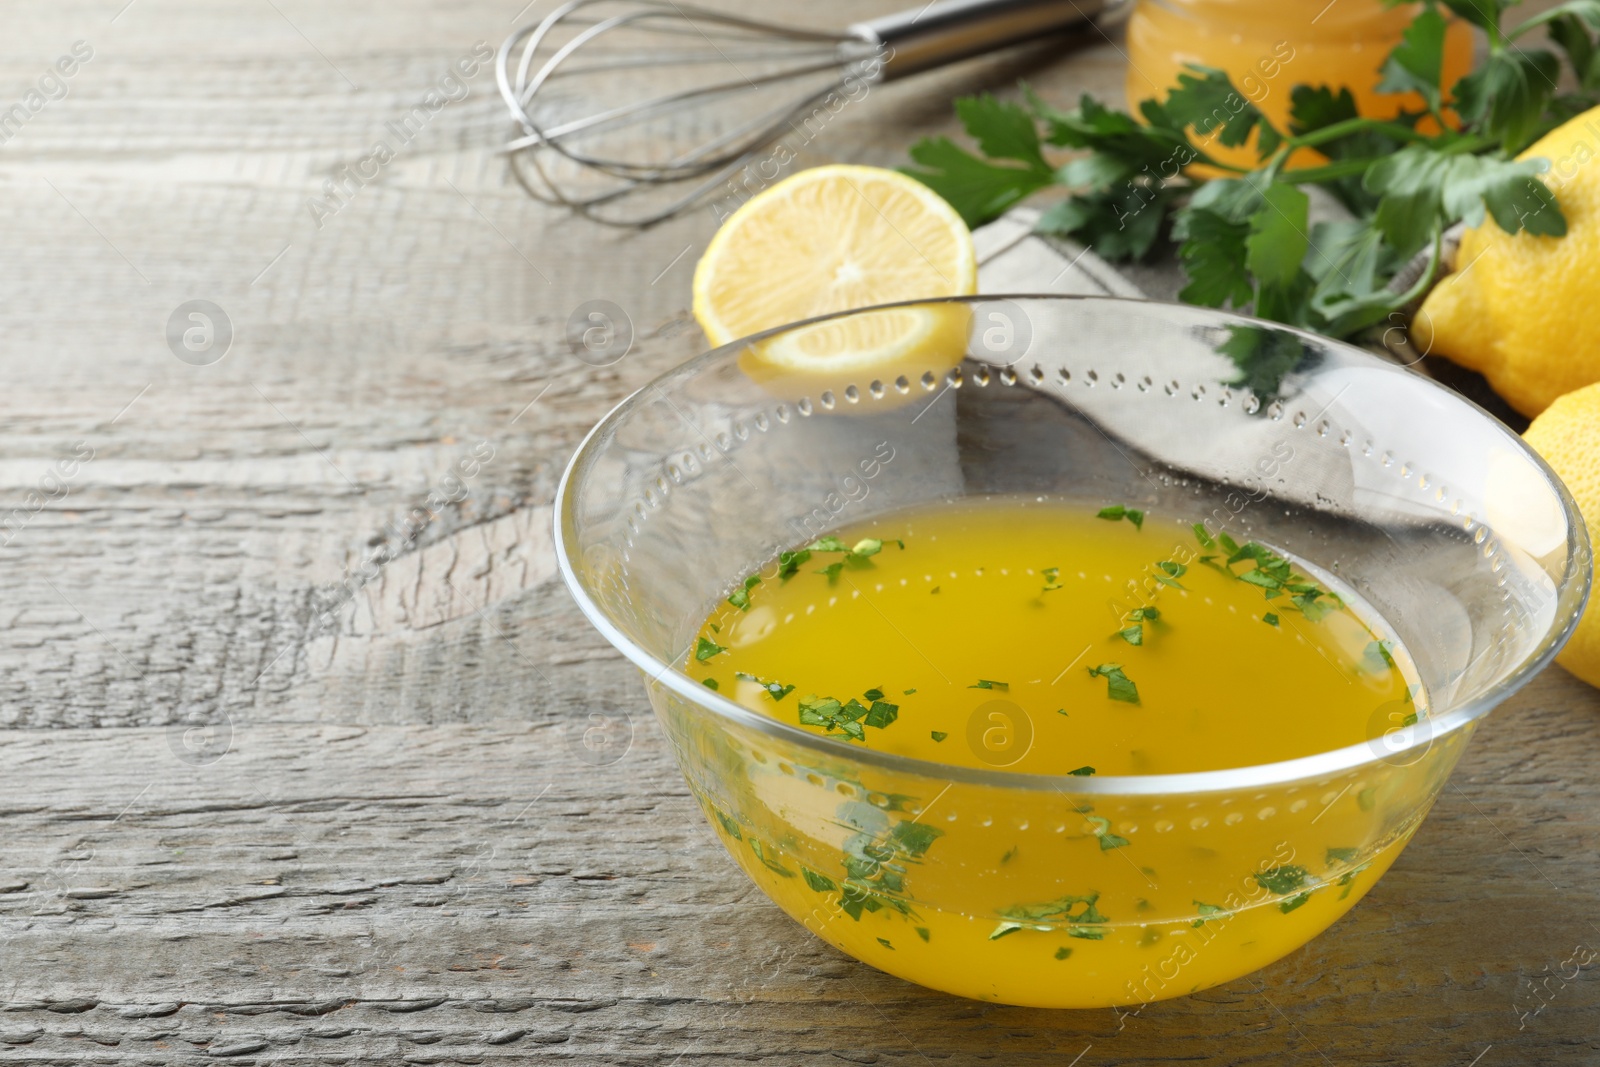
{"type": "Point", "coordinates": [1286, 906]}
{"type": "Point", "coordinates": [1282, 880]}
{"type": "Point", "coordinates": [1134, 633]}
{"type": "Point", "coordinates": [1206, 100]}
{"type": "Point", "coordinates": [1417, 63]}
{"type": "Point", "coordinates": [1077, 913]}
{"type": "Point", "coordinates": [1278, 235]}
{"type": "Point", "coordinates": [1118, 685]}
{"type": "Point", "coordinates": [1506, 96]}
{"type": "Point", "coordinates": [977, 189]}
{"type": "Point", "coordinates": [1083, 772]}
{"type": "Point", "coordinates": [984, 683]}
{"type": "Point", "coordinates": [705, 648]}
{"type": "Point", "coordinates": [777, 690]}
{"type": "Point", "coordinates": [1115, 512]}
{"type": "Point", "coordinates": [740, 598]}
{"type": "Point", "coordinates": [848, 717]}
{"type": "Point", "coordinates": [938, 735]}
{"type": "Point", "coordinates": [789, 563]}
{"type": "Point", "coordinates": [882, 713]}
{"type": "Point", "coordinates": [1207, 911]}
{"type": "Point", "coordinates": [1107, 839]}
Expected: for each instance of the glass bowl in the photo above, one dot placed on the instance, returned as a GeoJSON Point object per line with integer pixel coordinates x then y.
{"type": "Point", "coordinates": [1450, 529]}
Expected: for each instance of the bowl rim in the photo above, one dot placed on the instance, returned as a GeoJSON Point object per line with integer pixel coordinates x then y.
{"type": "Point", "coordinates": [1572, 593]}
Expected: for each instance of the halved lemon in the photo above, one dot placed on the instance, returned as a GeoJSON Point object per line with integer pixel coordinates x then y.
{"type": "Point", "coordinates": [831, 239]}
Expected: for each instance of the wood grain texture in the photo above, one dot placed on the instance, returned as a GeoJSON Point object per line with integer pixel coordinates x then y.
{"type": "Point", "coordinates": [252, 810]}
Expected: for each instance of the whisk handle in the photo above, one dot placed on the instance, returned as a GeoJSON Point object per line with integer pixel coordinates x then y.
{"type": "Point", "coordinates": [932, 35]}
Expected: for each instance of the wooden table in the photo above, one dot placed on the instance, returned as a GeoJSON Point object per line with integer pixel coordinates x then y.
{"type": "Point", "coordinates": [244, 814]}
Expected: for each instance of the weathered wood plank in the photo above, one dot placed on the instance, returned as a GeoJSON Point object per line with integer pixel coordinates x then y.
{"type": "Point", "coordinates": [314, 877]}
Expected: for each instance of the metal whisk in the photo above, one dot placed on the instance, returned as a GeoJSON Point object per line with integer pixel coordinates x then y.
{"type": "Point", "coordinates": [632, 111]}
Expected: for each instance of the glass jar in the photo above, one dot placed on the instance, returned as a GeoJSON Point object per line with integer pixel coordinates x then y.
{"type": "Point", "coordinates": [1269, 46]}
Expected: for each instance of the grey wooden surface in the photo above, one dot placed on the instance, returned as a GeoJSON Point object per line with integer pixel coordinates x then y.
{"type": "Point", "coordinates": [246, 815]}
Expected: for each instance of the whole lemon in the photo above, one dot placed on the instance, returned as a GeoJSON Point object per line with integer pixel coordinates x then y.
{"type": "Point", "coordinates": [1567, 435]}
{"type": "Point", "coordinates": [1521, 309]}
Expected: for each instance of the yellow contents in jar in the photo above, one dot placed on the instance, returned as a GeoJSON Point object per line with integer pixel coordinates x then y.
{"type": "Point", "coordinates": [1269, 46]}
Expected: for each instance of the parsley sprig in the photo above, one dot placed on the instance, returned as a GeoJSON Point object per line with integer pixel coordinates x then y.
{"type": "Point", "coordinates": [1243, 233]}
{"type": "Point", "coordinates": [1118, 685]}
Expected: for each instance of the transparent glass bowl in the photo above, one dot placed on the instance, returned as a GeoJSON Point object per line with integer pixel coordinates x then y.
{"type": "Point", "coordinates": [1448, 527]}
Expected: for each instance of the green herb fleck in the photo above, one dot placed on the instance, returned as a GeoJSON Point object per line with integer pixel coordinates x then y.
{"type": "Point", "coordinates": [1082, 772]}
{"type": "Point", "coordinates": [938, 735]}
{"type": "Point", "coordinates": [769, 862]}
{"type": "Point", "coordinates": [1063, 712]}
{"type": "Point", "coordinates": [874, 693]}
{"type": "Point", "coordinates": [1170, 572]}
{"type": "Point", "coordinates": [1134, 633]}
{"type": "Point", "coordinates": [882, 713]}
{"type": "Point", "coordinates": [710, 683]}
{"type": "Point", "coordinates": [1063, 952]}
{"type": "Point", "coordinates": [828, 544]}
{"type": "Point", "coordinates": [1115, 512]}
{"type": "Point", "coordinates": [740, 598]}
{"type": "Point", "coordinates": [909, 692]}
{"type": "Point", "coordinates": [1378, 655]}
{"type": "Point", "coordinates": [1010, 854]}
{"type": "Point", "coordinates": [1102, 830]}
{"type": "Point", "coordinates": [984, 683]}
{"type": "Point", "coordinates": [1342, 855]}
{"type": "Point", "coordinates": [1349, 878]}
{"type": "Point", "coordinates": [1281, 880]}
{"type": "Point", "coordinates": [776, 690]}
{"type": "Point", "coordinates": [913, 838]}
{"type": "Point", "coordinates": [729, 826]}
{"type": "Point", "coordinates": [1079, 914]}
{"type": "Point", "coordinates": [1202, 535]}
{"type": "Point", "coordinates": [922, 932]}
{"type": "Point", "coordinates": [1052, 578]}
{"type": "Point", "coordinates": [705, 648]}
{"type": "Point", "coordinates": [884, 941]}
{"type": "Point", "coordinates": [1367, 799]}
{"type": "Point", "coordinates": [1293, 902]}
{"type": "Point", "coordinates": [1118, 685]}
{"type": "Point", "coordinates": [1270, 619]}
{"type": "Point", "coordinates": [1207, 912]}
{"type": "Point", "coordinates": [832, 715]}
{"type": "Point", "coordinates": [789, 563]}
{"type": "Point", "coordinates": [868, 546]}
{"type": "Point", "coordinates": [819, 882]}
